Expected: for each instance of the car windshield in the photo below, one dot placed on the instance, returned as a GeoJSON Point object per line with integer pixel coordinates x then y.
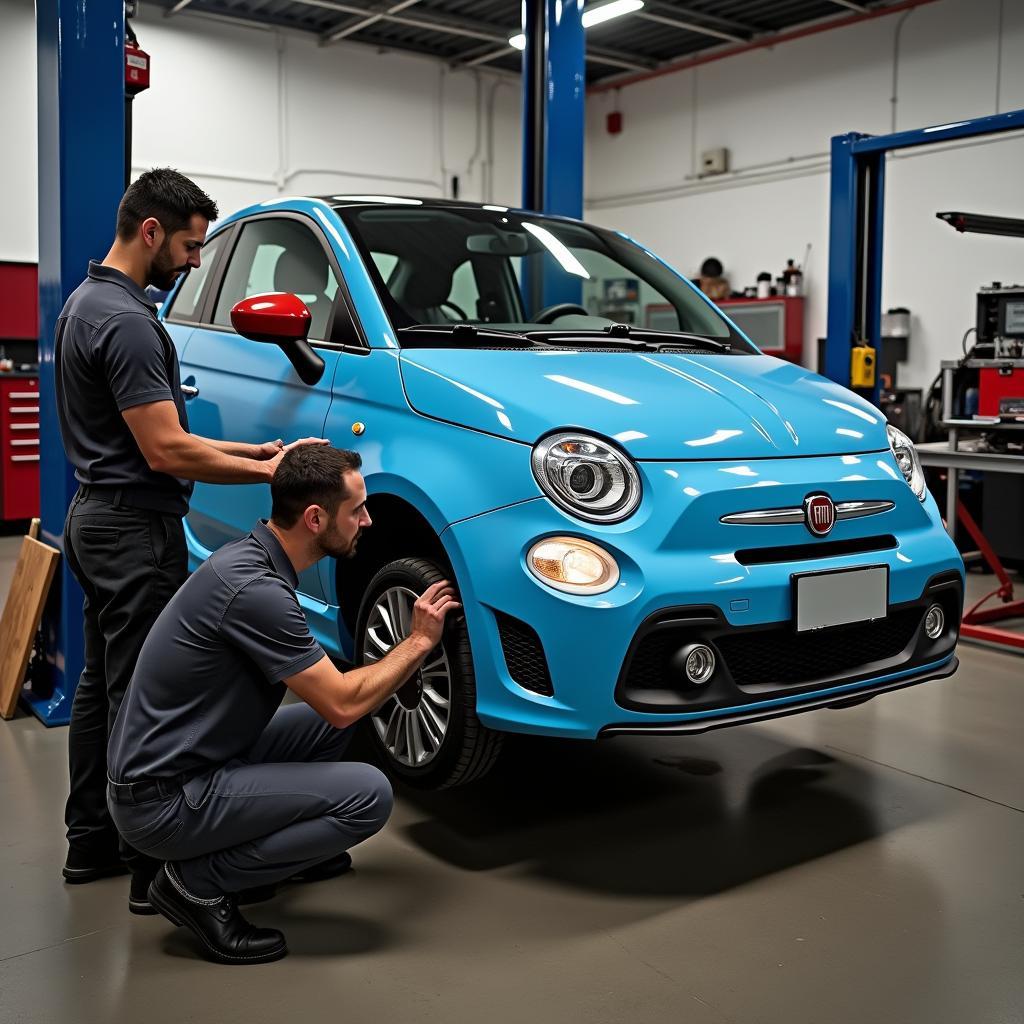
{"type": "Point", "coordinates": [458, 277]}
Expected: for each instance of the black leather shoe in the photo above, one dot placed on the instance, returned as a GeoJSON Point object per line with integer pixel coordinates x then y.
{"type": "Point", "coordinates": [225, 935]}
{"type": "Point", "coordinates": [82, 866]}
{"type": "Point", "coordinates": [138, 894]}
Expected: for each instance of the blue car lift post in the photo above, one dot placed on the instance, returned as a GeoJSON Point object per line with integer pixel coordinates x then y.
{"type": "Point", "coordinates": [81, 180]}
{"type": "Point", "coordinates": [855, 287]}
{"type": "Point", "coordinates": [855, 232]}
{"type": "Point", "coordinates": [554, 87]}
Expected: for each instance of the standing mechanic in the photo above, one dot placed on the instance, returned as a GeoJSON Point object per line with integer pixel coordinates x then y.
{"type": "Point", "coordinates": [206, 772]}
{"type": "Point", "coordinates": [125, 430]}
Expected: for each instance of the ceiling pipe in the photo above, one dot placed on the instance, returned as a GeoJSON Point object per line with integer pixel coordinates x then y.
{"type": "Point", "coordinates": [618, 82]}
{"type": "Point", "coordinates": [360, 24]}
{"type": "Point", "coordinates": [689, 26]}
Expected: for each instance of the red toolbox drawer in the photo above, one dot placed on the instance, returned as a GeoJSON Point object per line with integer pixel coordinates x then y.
{"type": "Point", "coordinates": [19, 445]}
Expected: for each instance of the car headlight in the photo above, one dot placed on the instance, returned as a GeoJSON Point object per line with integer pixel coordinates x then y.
{"type": "Point", "coordinates": [588, 477]}
{"type": "Point", "coordinates": [574, 565]}
{"type": "Point", "coordinates": [906, 458]}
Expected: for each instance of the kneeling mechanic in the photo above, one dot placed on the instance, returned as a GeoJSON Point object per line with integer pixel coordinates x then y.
{"type": "Point", "coordinates": [207, 773]}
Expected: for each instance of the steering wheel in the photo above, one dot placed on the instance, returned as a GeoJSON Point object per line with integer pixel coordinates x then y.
{"type": "Point", "coordinates": [549, 314]}
{"type": "Point", "coordinates": [451, 305]}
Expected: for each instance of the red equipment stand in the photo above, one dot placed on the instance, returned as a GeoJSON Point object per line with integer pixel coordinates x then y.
{"type": "Point", "coordinates": [972, 627]}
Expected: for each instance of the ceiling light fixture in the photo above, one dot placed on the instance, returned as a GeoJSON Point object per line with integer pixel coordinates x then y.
{"type": "Point", "coordinates": [591, 16]}
{"type": "Point", "coordinates": [596, 15]}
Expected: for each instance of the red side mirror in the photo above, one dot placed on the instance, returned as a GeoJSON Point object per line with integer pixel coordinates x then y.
{"type": "Point", "coordinates": [277, 317]}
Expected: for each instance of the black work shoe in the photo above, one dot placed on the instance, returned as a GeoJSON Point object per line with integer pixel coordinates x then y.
{"type": "Point", "coordinates": [138, 894]}
{"type": "Point", "coordinates": [225, 935]}
{"type": "Point", "coordinates": [81, 866]}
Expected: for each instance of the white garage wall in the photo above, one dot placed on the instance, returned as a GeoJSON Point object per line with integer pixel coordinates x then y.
{"type": "Point", "coordinates": [250, 113]}
{"type": "Point", "coordinates": [19, 228]}
{"type": "Point", "coordinates": [776, 110]}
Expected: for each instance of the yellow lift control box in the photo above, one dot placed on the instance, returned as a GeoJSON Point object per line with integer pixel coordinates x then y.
{"type": "Point", "coordinates": [862, 367]}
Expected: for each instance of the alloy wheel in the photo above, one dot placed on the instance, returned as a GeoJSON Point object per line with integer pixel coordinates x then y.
{"type": "Point", "coordinates": [413, 722]}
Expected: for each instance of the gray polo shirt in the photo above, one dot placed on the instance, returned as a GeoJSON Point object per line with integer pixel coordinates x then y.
{"type": "Point", "coordinates": [208, 679]}
{"type": "Point", "coordinates": [112, 354]}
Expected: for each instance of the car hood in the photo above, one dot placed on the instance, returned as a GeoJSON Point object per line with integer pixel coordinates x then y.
{"type": "Point", "coordinates": [655, 405]}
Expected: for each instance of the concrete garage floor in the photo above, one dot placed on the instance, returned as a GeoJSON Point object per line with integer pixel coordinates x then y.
{"type": "Point", "coordinates": [855, 866]}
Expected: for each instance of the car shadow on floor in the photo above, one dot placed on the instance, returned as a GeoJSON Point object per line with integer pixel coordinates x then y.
{"type": "Point", "coordinates": [643, 817]}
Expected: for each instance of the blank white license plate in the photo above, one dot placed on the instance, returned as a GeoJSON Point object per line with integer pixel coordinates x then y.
{"type": "Point", "coordinates": [838, 598]}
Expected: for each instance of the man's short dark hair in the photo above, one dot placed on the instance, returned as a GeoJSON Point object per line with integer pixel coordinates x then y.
{"type": "Point", "coordinates": [168, 196]}
{"type": "Point", "coordinates": [313, 474]}
{"type": "Point", "coordinates": [711, 267]}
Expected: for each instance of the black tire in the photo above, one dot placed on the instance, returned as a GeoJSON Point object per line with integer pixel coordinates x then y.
{"type": "Point", "coordinates": [467, 749]}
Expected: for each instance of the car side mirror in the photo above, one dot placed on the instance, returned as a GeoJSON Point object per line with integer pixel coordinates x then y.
{"type": "Point", "coordinates": [281, 319]}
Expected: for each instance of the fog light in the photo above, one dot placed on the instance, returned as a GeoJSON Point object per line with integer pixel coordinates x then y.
{"type": "Point", "coordinates": [697, 662]}
{"type": "Point", "coordinates": [934, 622]}
{"type": "Point", "coordinates": [573, 565]}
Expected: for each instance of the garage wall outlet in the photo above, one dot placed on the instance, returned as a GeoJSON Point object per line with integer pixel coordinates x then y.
{"type": "Point", "coordinates": [714, 161]}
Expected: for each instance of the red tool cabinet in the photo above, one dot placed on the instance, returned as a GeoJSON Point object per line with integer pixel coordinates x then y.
{"type": "Point", "coordinates": [19, 444]}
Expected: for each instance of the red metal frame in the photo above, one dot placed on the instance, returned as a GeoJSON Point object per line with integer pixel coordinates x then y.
{"type": "Point", "coordinates": [971, 626]}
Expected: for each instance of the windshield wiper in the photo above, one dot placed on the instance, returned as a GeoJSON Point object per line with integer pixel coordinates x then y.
{"type": "Point", "coordinates": [466, 334]}
{"type": "Point", "coordinates": [627, 336]}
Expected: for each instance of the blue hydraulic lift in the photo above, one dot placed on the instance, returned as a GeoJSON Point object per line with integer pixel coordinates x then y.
{"type": "Point", "coordinates": [81, 179]}
{"type": "Point", "coordinates": [856, 235]}
{"type": "Point", "coordinates": [554, 88]}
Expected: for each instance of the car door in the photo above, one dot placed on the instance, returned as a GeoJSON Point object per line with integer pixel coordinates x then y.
{"type": "Point", "coordinates": [248, 391]}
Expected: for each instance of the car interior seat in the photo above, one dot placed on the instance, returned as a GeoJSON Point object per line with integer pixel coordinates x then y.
{"type": "Point", "coordinates": [304, 271]}
{"type": "Point", "coordinates": [425, 289]}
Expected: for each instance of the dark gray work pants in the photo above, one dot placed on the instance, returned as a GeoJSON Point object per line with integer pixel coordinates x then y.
{"type": "Point", "coordinates": [286, 805]}
{"type": "Point", "coordinates": [129, 562]}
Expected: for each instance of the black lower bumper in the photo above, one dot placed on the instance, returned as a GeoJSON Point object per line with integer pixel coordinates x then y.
{"type": "Point", "coordinates": [763, 714]}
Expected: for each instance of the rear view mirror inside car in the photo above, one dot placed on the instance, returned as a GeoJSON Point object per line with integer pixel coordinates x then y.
{"type": "Point", "coordinates": [498, 243]}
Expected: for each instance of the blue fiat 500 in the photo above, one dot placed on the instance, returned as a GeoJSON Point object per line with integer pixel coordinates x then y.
{"type": "Point", "coordinates": [653, 530]}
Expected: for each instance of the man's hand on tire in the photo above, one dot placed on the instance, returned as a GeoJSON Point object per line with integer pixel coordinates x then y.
{"type": "Point", "coordinates": [428, 614]}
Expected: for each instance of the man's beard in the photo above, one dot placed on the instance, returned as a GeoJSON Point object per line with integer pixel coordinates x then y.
{"type": "Point", "coordinates": [332, 544]}
{"type": "Point", "coordinates": [163, 273]}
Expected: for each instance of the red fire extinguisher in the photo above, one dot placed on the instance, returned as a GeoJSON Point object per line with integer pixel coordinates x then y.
{"type": "Point", "coordinates": [136, 67]}
{"type": "Point", "coordinates": [136, 79]}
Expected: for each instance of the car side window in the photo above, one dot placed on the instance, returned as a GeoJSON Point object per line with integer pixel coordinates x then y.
{"type": "Point", "coordinates": [188, 301]}
{"type": "Point", "coordinates": [279, 256]}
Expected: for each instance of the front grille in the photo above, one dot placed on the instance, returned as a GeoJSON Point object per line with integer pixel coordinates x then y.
{"type": "Point", "coordinates": [781, 656]}
{"type": "Point", "coordinates": [524, 654]}
{"type": "Point", "coordinates": [821, 549]}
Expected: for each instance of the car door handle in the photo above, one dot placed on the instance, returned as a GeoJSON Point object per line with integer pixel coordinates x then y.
{"type": "Point", "coordinates": [189, 391]}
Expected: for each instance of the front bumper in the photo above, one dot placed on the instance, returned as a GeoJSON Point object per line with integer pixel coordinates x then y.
{"type": "Point", "coordinates": [555, 664]}
{"type": "Point", "coordinates": [834, 697]}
